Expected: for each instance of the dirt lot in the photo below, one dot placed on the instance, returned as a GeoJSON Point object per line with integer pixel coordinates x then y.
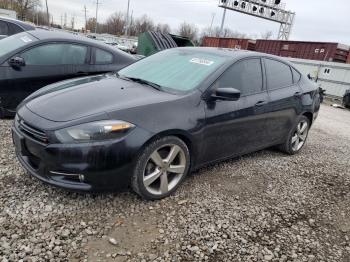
{"type": "Point", "coordinates": [262, 207]}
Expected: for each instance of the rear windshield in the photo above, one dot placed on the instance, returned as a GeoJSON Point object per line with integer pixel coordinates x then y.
{"type": "Point", "coordinates": [175, 69]}
{"type": "Point", "coordinates": [14, 42]}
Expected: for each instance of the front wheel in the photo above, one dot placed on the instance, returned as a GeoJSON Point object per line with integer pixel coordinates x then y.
{"type": "Point", "coordinates": [160, 168]}
{"type": "Point", "coordinates": [297, 137]}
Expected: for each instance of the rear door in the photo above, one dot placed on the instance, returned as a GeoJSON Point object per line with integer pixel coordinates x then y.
{"type": "Point", "coordinates": [44, 65]}
{"type": "Point", "coordinates": [237, 127]}
{"type": "Point", "coordinates": [285, 99]}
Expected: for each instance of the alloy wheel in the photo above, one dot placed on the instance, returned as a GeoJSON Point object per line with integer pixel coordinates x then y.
{"type": "Point", "coordinates": [164, 169]}
{"type": "Point", "coordinates": [300, 135]}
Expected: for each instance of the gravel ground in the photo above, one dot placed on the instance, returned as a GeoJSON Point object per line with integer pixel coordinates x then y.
{"type": "Point", "coordinates": [262, 207]}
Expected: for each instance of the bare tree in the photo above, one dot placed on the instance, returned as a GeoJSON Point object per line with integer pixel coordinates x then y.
{"type": "Point", "coordinates": [163, 28]}
{"type": "Point", "coordinates": [116, 23]}
{"type": "Point", "coordinates": [143, 24]}
{"type": "Point", "coordinates": [24, 6]}
{"type": "Point", "coordinates": [267, 35]}
{"type": "Point", "coordinates": [188, 30]}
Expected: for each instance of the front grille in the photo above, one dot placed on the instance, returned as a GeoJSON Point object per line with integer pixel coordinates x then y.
{"type": "Point", "coordinates": [33, 132]}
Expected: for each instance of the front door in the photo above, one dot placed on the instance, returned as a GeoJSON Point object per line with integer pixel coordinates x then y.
{"type": "Point", "coordinates": [44, 65]}
{"type": "Point", "coordinates": [237, 127]}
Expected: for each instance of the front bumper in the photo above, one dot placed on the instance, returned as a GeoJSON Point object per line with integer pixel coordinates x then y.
{"type": "Point", "coordinates": [102, 166]}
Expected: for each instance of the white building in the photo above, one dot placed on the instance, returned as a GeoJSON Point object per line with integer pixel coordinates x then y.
{"type": "Point", "coordinates": [8, 13]}
{"type": "Point", "coordinates": [333, 77]}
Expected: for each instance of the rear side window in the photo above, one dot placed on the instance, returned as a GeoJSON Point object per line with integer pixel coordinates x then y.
{"type": "Point", "coordinates": [103, 57]}
{"type": "Point", "coordinates": [14, 29]}
{"type": "Point", "coordinates": [4, 29]}
{"type": "Point", "coordinates": [279, 75]}
{"type": "Point", "coordinates": [296, 75]}
{"type": "Point", "coordinates": [245, 76]}
{"type": "Point", "coordinates": [56, 54]}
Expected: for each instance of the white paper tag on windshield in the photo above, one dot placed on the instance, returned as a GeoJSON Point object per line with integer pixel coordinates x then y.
{"type": "Point", "coordinates": [201, 61]}
{"type": "Point", "coordinates": [26, 39]}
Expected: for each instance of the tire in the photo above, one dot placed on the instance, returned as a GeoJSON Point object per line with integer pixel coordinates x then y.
{"type": "Point", "coordinates": [2, 113]}
{"type": "Point", "coordinates": [292, 146]}
{"type": "Point", "coordinates": [160, 168]}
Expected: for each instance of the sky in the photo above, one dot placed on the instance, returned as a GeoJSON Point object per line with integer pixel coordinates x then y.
{"type": "Point", "coordinates": [316, 20]}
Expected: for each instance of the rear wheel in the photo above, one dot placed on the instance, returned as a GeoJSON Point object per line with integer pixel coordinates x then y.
{"type": "Point", "coordinates": [161, 168]}
{"type": "Point", "coordinates": [297, 137]}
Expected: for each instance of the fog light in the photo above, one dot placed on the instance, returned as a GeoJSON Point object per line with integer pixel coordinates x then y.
{"type": "Point", "coordinates": [68, 175]}
{"type": "Point", "coordinates": [81, 178]}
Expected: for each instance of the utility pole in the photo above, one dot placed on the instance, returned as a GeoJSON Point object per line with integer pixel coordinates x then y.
{"type": "Point", "coordinates": [65, 21]}
{"type": "Point", "coordinates": [73, 22]}
{"type": "Point", "coordinates": [127, 19]}
{"type": "Point", "coordinates": [97, 4]}
{"type": "Point", "coordinates": [47, 14]}
{"type": "Point", "coordinates": [85, 12]}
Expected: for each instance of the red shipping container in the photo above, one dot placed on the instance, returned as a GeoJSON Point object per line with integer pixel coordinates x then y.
{"type": "Point", "coordinates": [305, 50]}
{"type": "Point", "coordinates": [246, 44]}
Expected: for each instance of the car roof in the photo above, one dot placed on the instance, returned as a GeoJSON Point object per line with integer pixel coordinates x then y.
{"type": "Point", "coordinates": [234, 53]}
{"type": "Point", "coordinates": [46, 35]}
{"type": "Point", "coordinates": [21, 24]}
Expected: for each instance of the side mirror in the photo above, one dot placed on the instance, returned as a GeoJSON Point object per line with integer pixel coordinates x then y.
{"type": "Point", "coordinates": [17, 62]}
{"type": "Point", "coordinates": [227, 93]}
{"type": "Point", "coordinates": [309, 76]}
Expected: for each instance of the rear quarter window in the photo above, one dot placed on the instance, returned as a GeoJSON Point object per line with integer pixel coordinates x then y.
{"type": "Point", "coordinates": [296, 75]}
{"type": "Point", "coordinates": [279, 75]}
{"type": "Point", "coordinates": [103, 57]}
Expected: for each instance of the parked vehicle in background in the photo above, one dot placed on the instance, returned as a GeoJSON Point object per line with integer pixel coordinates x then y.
{"type": "Point", "coordinates": [32, 60]}
{"type": "Point", "coordinates": [154, 121]}
{"type": "Point", "coordinates": [346, 99]}
{"type": "Point", "coordinates": [10, 27]}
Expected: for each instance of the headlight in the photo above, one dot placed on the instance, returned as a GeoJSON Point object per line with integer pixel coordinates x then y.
{"type": "Point", "coordinates": [95, 131]}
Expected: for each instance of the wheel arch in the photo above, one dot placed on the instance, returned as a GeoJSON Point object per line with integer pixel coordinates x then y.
{"type": "Point", "coordinates": [310, 116]}
{"type": "Point", "coordinates": [181, 134]}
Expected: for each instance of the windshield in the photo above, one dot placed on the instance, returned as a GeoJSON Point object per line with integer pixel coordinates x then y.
{"type": "Point", "coordinates": [14, 42]}
{"type": "Point", "coordinates": [175, 69]}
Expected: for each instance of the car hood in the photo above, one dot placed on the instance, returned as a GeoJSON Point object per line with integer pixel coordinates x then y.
{"type": "Point", "coordinates": [92, 96]}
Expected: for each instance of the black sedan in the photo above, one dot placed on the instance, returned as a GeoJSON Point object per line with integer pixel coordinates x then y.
{"type": "Point", "coordinates": [32, 60]}
{"type": "Point", "coordinates": [10, 27]}
{"type": "Point", "coordinates": [154, 121]}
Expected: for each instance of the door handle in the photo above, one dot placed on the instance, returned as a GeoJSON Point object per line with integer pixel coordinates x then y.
{"type": "Point", "coordinates": [298, 94]}
{"type": "Point", "coordinates": [261, 103]}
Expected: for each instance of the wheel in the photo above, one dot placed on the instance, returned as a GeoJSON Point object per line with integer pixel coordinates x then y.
{"type": "Point", "coordinates": [160, 168]}
{"type": "Point", "coordinates": [2, 113]}
{"type": "Point", "coordinates": [297, 137]}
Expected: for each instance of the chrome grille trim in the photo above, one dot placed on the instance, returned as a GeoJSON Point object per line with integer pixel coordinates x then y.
{"type": "Point", "coordinates": [33, 132]}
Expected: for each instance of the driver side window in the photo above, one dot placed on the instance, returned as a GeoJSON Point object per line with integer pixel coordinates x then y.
{"type": "Point", "coordinates": [246, 76]}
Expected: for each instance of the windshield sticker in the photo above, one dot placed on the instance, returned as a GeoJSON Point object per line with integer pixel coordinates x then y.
{"type": "Point", "coordinates": [26, 39]}
{"type": "Point", "coordinates": [201, 61]}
